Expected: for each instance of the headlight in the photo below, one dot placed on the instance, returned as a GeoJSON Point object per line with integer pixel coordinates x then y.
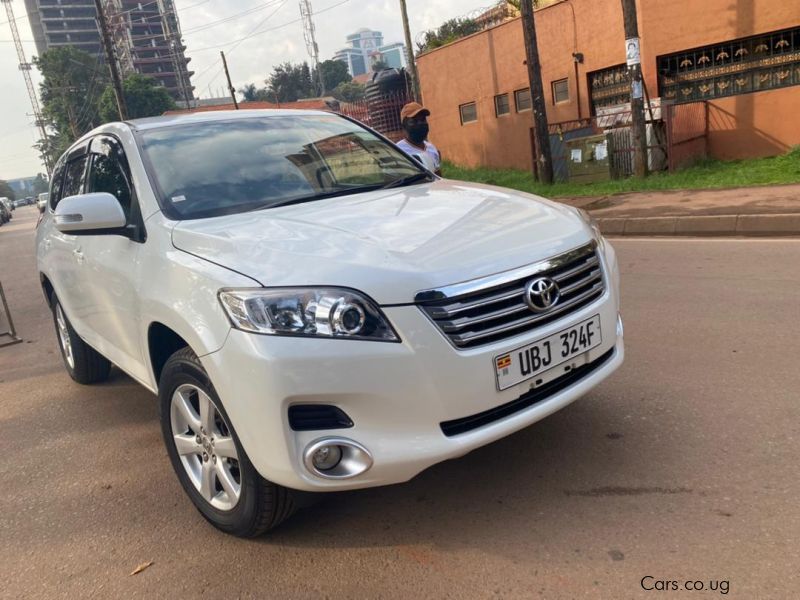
{"type": "Point", "coordinates": [315, 312]}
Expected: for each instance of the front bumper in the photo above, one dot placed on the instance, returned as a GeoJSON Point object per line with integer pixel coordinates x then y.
{"type": "Point", "coordinates": [397, 395]}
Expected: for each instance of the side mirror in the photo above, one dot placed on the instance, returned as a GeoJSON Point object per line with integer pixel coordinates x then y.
{"type": "Point", "coordinates": [90, 214]}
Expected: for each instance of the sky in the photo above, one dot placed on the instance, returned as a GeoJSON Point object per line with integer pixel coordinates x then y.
{"type": "Point", "coordinates": [278, 38]}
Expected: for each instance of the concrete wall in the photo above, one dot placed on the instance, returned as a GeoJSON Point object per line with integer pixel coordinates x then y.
{"type": "Point", "coordinates": [750, 125]}
{"type": "Point", "coordinates": [492, 62]}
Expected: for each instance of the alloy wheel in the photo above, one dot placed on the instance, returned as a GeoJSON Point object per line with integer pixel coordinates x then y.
{"type": "Point", "coordinates": [205, 446]}
{"type": "Point", "coordinates": [63, 337]}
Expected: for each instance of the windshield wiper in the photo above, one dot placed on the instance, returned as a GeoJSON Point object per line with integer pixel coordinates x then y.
{"type": "Point", "coordinates": [407, 180]}
{"type": "Point", "coordinates": [320, 196]}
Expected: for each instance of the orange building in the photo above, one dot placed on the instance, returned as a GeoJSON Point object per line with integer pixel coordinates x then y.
{"type": "Point", "coordinates": [741, 56]}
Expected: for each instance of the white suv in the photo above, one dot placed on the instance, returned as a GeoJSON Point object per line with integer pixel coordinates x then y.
{"type": "Point", "coordinates": [314, 309]}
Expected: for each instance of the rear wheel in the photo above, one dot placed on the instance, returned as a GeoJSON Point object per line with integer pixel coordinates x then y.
{"type": "Point", "coordinates": [83, 363]}
{"type": "Point", "coordinates": [207, 457]}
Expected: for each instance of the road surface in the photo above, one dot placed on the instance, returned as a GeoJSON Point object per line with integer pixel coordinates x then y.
{"type": "Point", "coordinates": [684, 466]}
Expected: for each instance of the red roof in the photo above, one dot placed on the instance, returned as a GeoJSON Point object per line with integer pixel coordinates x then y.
{"type": "Point", "coordinates": [315, 104]}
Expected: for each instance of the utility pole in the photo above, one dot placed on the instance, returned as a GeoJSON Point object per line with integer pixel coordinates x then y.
{"type": "Point", "coordinates": [539, 112]}
{"type": "Point", "coordinates": [309, 35]}
{"type": "Point", "coordinates": [228, 77]}
{"type": "Point", "coordinates": [25, 68]}
{"type": "Point", "coordinates": [116, 82]}
{"type": "Point", "coordinates": [633, 57]}
{"type": "Point", "coordinates": [412, 65]}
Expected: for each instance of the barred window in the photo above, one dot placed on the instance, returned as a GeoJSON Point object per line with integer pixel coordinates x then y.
{"type": "Point", "coordinates": [752, 64]}
{"type": "Point", "coordinates": [609, 87]}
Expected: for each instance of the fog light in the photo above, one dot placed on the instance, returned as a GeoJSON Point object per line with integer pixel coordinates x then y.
{"type": "Point", "coordinates": [326, 457]}
{"type": "Point", "coordinates": [336, 458]}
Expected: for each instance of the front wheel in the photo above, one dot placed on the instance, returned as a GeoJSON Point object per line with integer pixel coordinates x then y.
{"type": "Point", "coordinates": [207, 457]}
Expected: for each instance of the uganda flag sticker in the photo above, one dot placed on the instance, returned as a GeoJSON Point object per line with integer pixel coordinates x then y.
{"type": "Point", "coordinates": [503, 362]}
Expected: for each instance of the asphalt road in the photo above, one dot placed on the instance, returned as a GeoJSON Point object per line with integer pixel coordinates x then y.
{"type": "Point", "coordinates": [683, 466]}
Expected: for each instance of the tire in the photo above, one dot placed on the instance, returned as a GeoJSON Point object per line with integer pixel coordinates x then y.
{"type": "Point", "coordinates": [184, 388]}
{"type": "Point", "coordinates": [83, 363]}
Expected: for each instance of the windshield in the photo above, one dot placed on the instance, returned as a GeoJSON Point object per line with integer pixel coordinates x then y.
{"type": "Point", "coordinates": [223, 167]}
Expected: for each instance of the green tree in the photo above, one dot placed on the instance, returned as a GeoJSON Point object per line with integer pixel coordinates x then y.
{"type": "Point", "coordinates": [334, 72]}
{"type": "Point", "coordinates": [72, 83]}
{"type": "Point", "coordinates": [447, 32]}
{"type": "Point", "coordinates": [144, 97]}
{"type": "Point", "coordinates": [288, 82]}
{"type": "Point", "coordinates": [350, 91]}
{"type": "Point", "coordinates": [40, 184]}
{"type": "Point", "coordinates": [6, 191]}
{"type": "Point", "coordinates": [251, 93]}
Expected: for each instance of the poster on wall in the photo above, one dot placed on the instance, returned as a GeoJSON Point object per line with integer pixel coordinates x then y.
{"type": "Point", "coordinates": [632, 54]}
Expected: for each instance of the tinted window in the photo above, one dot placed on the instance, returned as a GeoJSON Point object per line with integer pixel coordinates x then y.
{"type": "Point", "coordinates": [522, 98]}
{"type": "Point", "coordinates": [55, 184]}
{"type": "Point", "coordinates": [560, 91]}
{"type": "Point", "coordinates": [469, 112]}
{"type": "Point", "coordinates": [73, 178]}
{"type": "Point", "coordinates": [222, 167]}
{"type": "Point", "coordinates": [501, 106]}
{"type": "Point", "coordinates": [107, 174]}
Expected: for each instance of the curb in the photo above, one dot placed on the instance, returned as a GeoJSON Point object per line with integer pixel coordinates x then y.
{"type": "Point", "coordinates": [742, 225]}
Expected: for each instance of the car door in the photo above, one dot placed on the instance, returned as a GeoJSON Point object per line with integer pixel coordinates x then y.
{"type": "Point", "coordinates": [64, 250]}
{"type": "Point", "coordinates": [111, 262]}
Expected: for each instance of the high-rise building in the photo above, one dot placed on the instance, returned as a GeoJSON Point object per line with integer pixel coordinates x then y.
{"type": "Point", "coordinates": [365, 48]}
{"type": "Point", "coordinates": [147, 40]}
{"type": "Point", "coordinates": [146, 36]}
{"type": "Point", "coordinates": [64, 23]}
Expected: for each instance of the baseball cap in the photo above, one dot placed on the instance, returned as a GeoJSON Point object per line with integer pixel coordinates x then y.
{"type": "Point", "coordinates": [412, 109]}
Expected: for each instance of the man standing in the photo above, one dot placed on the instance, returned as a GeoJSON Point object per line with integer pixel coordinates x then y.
{"type": "Point", "coordinates": [414, 118]}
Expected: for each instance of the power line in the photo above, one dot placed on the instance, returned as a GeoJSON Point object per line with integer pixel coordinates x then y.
{"type": "Point", "coordinates": [212, 23]}
{"type": "Point", "coordinates": [237, 43]}
{"type": "Point", "coordinates": [254, 34]}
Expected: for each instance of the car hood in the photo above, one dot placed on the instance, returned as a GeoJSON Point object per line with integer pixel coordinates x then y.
{"type": "Point", "coordinates": [389, 244]}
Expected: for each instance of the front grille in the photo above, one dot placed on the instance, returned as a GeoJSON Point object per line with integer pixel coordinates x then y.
{"type": "Point", "coordinates": [477, 313]}
{"type": "Point", "coordinates": [465, 424]}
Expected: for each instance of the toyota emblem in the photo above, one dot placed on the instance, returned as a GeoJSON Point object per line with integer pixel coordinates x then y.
{"type": "Point", "coordinates": [541, 294]}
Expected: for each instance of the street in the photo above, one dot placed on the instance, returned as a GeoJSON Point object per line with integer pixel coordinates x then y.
{"type": "Point", "coordinates": [683, 466]}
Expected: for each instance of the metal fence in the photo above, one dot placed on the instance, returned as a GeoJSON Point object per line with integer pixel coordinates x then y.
{"type": "Point", "coordinates": [676, 137]}
{"type": "Point", "coordinates": [687, 133]}
{"type": "Point", "coordinates": [382, 113]}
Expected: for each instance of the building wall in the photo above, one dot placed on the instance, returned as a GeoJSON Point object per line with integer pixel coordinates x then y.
{"type": "Point", "coordinates": [483, 65]}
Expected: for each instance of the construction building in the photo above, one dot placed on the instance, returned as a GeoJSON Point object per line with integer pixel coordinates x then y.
{"type": "Point", "coordinates": [147, 40]}
{"type": "Point", "coordinates": [146, 36]}
{"type": "Point", "coordinates": [64, 23]}
{"type": "Point", "coordinates": [736, 61]}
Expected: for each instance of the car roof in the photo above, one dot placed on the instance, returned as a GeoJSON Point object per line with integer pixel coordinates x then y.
{"type": "Point", "coordinates": [214, 116]}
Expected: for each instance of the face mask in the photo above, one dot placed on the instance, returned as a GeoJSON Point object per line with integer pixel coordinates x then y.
{"type": "Point", "coordinates": [417, 133]}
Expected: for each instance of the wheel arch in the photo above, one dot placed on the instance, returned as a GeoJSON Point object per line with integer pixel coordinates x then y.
{"type": "Point", "coordinates": [47, 289]}
{"type": "Point", "coordinates": [162, 342]}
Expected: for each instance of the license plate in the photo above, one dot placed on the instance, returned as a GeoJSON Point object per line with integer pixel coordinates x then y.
{"type": "Point", "coordinates": [533, 359]}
